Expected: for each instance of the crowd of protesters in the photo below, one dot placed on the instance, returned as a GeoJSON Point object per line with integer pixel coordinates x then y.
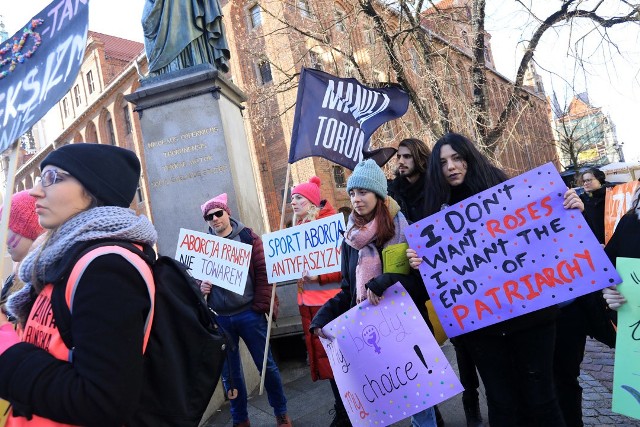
{"type": "Point", "coordinates": [529, 365]}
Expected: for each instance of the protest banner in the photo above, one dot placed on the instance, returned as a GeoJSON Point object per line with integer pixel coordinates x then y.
{"type": "Point", "coordinates": [508, 251]}
{"type": "Point", "coordinates": [387, 364]}
{"type": "Point", "coordinates": [314, 247]}
{"type": "Point", "coordinates": [626, 371]}
{"type": "Point", "coordinates": [617, 201]}
{"type": "Point", "coordinates": [335, 117]}
{"type": "Point", "coordinates": [39, 64]}
{"type": "Point", "coordinates": [223, 262]}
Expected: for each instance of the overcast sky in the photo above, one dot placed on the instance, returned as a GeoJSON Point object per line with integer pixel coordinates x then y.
{"type": "Point", "coordinates": [612, 81]}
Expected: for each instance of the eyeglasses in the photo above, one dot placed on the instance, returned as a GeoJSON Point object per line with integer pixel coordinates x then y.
{"type": "Point", "coordinates": [51, 176]}
{"type": "Point", "coordinates": [217, 214]}
{"type": "Point", "coordinates": [586, 181]}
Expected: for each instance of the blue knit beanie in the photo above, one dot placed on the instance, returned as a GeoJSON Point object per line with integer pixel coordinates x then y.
{"type": "Point", "coordinates": [369, 176]}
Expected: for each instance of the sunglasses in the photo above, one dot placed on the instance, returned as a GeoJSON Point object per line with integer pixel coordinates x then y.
{"type": "Point", "coordinates": [217, 214]}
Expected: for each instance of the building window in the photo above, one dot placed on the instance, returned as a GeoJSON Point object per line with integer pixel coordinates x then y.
{"type": "Point", "coordinates": [369, 35]}
{"type": "Point", "coordinates": [349, 69]}
{"type": "Point", "coordinates": [465, 39]}
{"type": "Point", "coordinates": [139, 193]}
{"type": "Point", "coordinates": [127, 120]}
{"type": "Point", "coordinates": [255, 13]}
{"type": "Point", "coordinates": [315, 61]}
{"type": "Point", "coordinates": [264, 167]}
{"type": "Point", "coordinates": [338, 176]}
{"type": "Point", "coordinates": [90, 83]}
{"type": "Point", "coordinates": [112, 134]}
{"type": "Point", "coordinates": [340, 24]}
{"type": "Point", "coordinates": [415, 61]}
{"type": "Point", "coordinates": [76, 95]}
{"type": "Point", "coordinates": [265, 72]}
{"type": "Point", "coordinates": [305, 10]}
{"type": "Point", "coordinates": [65, 107]}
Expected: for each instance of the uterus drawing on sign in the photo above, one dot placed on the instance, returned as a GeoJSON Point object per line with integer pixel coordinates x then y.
{"type": "Point", "coordinates": [371, 337]}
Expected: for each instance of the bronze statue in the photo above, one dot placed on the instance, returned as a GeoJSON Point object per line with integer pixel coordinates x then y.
{"type": "Point", "coordinates": [182, 33]}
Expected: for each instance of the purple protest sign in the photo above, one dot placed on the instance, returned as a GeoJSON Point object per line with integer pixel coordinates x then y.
{"type": "Point", "coordinates": [508, 251]}
{"type": "Point", "coordinates": [387, 364]}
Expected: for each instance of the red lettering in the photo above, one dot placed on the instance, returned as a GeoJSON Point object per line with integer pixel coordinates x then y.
{"type": "Point", "coordinates": [460, 312]}
{"type": "Point", "coordinates": [541, 280]}
{"type": "Point", "coordinates": [545, 204]}
{"type": "Point", "coordinates": [550, 274]}
{"type": "Point", "coordinates": [480, 307]}
{"type": "Point", "coordinates": [492, 293]}
{"type": "Point", "coordinates": [533, 213]}
{"type": "Point", "coordinates": [587, 257]}
{"type": "Point", "coordinates": [521, 217]}
{"type": "Point", "coordinates": [510, 222]}
{"type": "Point", "coordinates": [532, 293]}
{"type": "Point", "coordinates": [493, 227]}
{"type": "Point", "coordinates": [511, 290]}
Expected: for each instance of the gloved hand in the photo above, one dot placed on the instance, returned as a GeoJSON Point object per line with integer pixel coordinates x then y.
{"type": "Point", "coordinates": [380, 284]}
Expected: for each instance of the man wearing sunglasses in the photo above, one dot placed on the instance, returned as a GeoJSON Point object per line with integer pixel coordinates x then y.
{"type": "Point", "coordinates": [243, 316]}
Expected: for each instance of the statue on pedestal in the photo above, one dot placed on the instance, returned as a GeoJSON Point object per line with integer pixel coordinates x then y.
{"type": "Point", "coordinates": [182, 33]}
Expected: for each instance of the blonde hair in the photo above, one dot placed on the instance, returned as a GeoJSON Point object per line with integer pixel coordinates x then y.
{"type": "Point", "coordinates": [312, 214]}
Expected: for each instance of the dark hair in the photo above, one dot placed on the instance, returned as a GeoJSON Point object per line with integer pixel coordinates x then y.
{"type": "Point", "coordinates": [481, 173]}
{"type": "Point", "coordinates": [386, 227]}
{"type": "Point", "coordinates": [636, 199]}
{"type": "Point", "coordinates": [597, 174]}
{"type": "Point", "coordinates": [419, 151]}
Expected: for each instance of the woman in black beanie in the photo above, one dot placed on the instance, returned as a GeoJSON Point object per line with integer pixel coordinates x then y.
{"type": "Point", "coordinates": [83, 197]}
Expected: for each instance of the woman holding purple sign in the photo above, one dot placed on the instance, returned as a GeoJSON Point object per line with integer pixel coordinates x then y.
{"type": "Point", "coordinates": [375, 223]}
{"type": "Point", "coordinates": [514, 357]}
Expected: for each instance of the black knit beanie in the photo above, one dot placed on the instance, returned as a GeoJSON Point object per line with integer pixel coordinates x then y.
{"type": "Point", "coordinates": [108, 172]}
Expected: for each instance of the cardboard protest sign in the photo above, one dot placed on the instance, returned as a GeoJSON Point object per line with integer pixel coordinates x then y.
{"type": "Point", "coordinates": [626, 373]}
{"type": "Point", "coordinates": [508, 251]}
{"type": "Point", "coordinates": [617, 202]}
{"type": "Point", "coordinates": [387, 364]}
{"type": "Point", "coordinates": [313, 247]}
{"type": "Point", "coordinates": [223, 262]}
{"type": "Point", "coordinates": [39, 64]}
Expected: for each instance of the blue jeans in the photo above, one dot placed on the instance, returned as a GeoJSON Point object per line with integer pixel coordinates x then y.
{"type": "Point", "coordinates": [426, 418]}
{"type": "Point", "coordinates": [252, 328]}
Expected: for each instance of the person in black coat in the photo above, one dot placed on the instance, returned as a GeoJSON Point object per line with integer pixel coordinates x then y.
{"type": "Point", "coordinates": [514, 357]}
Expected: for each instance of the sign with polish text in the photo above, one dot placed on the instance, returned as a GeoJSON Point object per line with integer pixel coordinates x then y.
{"type": "Point", "coordinates": [617, 202]}
{"type": "Point", "coordinates": [387, 364]}
{"type": "Point", "coordinates": [508, 251]}
{"type": "Point", "coordinates": [314, 247]}
{"type": "Point", "coordinates": [223, 262]}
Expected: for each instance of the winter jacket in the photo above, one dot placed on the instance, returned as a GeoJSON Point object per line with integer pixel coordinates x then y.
{"type": "Point", "coordinates": [346, 298]}
{"type": "Point", "coordinates": [410, 196]}
{"type": "Point", "coordinates": [257, 292]}
{"type": "Point", "coordinates": [625, 240]}
{"type": "Point", "coordinates": [594, 211]}
{"type": "Point", "coordinates": [102, 384]}
{"type": "Point", "coordinates": [309, 302]}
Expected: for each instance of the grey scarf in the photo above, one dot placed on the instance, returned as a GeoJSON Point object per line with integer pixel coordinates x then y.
{"type": "Point", "coordinates": [105, 222]}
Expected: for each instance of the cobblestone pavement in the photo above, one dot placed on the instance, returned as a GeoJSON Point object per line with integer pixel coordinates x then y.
{"type": "Point", "coordinates": [310, 403]}
{"type": "Point", "coordinates": [596, 379]}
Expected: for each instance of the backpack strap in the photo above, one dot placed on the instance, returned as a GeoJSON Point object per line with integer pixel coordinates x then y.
{"type": "Point", "coordinates": [135, 260]}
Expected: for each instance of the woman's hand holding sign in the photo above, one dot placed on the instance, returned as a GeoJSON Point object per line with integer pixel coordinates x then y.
{"type": "Point", "coordinates": [205, 287]}
{"type": "Point", "coordinates": [414, 259]}
{"type": "Point", "coordinates": [572, 200]}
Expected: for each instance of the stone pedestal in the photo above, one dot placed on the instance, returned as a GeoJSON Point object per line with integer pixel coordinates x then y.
{"type": "Point", "coordinates": [195, 147]}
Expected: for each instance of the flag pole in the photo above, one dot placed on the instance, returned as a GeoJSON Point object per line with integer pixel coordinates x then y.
{"type": "Point", "coordinates": [273, 286]}
{"type": "Point", "coordinates": [6, 203]}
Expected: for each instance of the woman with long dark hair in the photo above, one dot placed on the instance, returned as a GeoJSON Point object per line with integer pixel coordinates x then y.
{"type": "Point", "coordinates": [514, 357]}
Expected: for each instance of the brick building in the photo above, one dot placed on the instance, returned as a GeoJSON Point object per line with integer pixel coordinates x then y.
{"type": "Point", "coordinates": [272, 40]}
{"type": "Point", "coordinates": [94, 110]}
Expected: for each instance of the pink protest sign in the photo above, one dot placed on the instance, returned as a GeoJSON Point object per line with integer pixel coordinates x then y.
{"type": "Point", "coordinates": [387, 364]}
{"type": "Point", "coordinates": [508, 251]}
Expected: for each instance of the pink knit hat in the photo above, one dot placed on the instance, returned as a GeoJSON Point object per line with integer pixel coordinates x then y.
{"type": "Point", "coordinates": [220, 201]}
{"type": "Point", "coordinates": [310, 190]}
{"type": "Point", "coordinates": [23, 219]}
